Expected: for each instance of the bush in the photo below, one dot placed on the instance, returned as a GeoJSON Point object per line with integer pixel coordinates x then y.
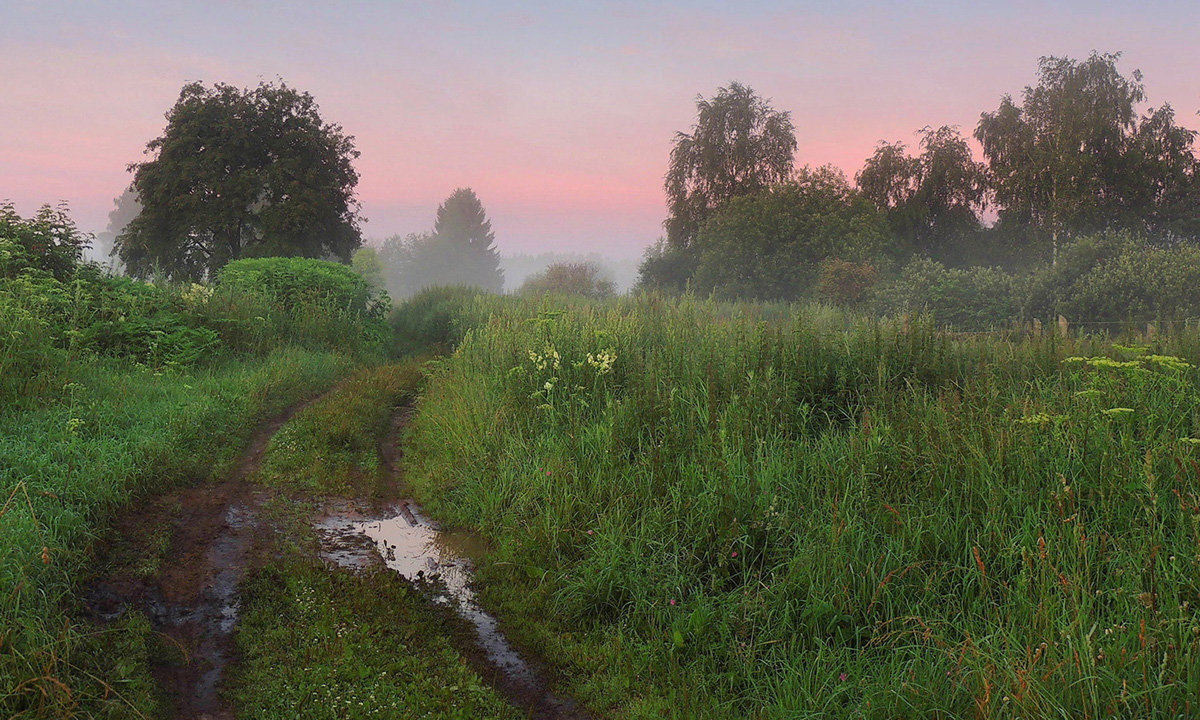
{"type": "Point", "coordinates": [845, 283]}
{"type": "Point", "coordinates": [1114, 277]}
{"type": "Point", "coordinates": [570, 279]}
{"type": "Point", "coordinates": [973, 299]}
{"type": "Point", "coordinates": [312, 302]}
{"type": "Point", "coordinates": [294, 282]}
{"type": "Point", "coordinates": [48, 242]}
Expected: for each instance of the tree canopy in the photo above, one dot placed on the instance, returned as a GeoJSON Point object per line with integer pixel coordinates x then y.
{"type": "Point", "coordinates": [769, 245]}
{"type": "Point", "coordinates": [739, 145]}
{"type": "Point", "coordinates": [932, 200]}
{"type": "Point", "coordinates": [1075, 157]}
{"type": "Point", "coordinates": [240, 173]}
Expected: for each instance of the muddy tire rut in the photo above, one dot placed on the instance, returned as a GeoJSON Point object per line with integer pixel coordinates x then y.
{"type": "Point", "coordinates": [193, 598]}
{"type": "Point", "coordinates": [192, 595]}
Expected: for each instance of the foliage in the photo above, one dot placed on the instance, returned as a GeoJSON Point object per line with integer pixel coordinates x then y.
{"type": "Point", "coordinates": [977, 298]}
{"type": "Point", "coordinates": [47, 243]}
{"type": "Point", "coordinates": [768, 245]}
{"type": "Point", "coordinates": [369, 267]}
{"type": "Point", "coordinates": [581, 279]}
{"type": "Point", "coordinates": [1113, 278]}
{"type": "Point", "coordinates": [845, 283]}
{"type": "Point", "coordinates": [932, 200]}
{"type": "Point", "coordinates": [312, 299]}
{"type": "Point", "coordinates": [667, 268]}
{"type": "Point", "coordinates": [241, 173]}
{"type": "Point", "coordinates": [1074, 158]}
{"type": "Point", "coordinates": [813, 516]}
{"type": "Point", "coordinates": [739, 145]}
{"type": "Point", "coordinates": [430, 320]}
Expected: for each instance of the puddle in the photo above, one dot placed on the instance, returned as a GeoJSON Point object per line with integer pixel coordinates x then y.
{"type": "Point", "coordinates": [415, 546]}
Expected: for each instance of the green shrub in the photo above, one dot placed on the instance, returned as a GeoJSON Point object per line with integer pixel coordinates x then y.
{"type": "Point", "coordinates": [1111, 278]}
{"type": "Point", "coordinates": [972, 299]}
{"type": "Point", "coordinates": [431, 319]}
{"type": "Point", "coordinates": [312, 302]}
{"type": "Point", "coordinates": [845, 283]}
{"type": "Point", "coordinates": [48, 242]}
{"type": "Point", "coordinates": [581, 279]}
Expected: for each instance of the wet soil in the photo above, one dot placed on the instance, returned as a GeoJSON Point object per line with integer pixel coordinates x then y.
{"type": "Point", "coordinates": [442, 562]}
{"type": "Point", "coordinates": [209, 537]}
{"type": "Point", "coordinates": [192, 599]}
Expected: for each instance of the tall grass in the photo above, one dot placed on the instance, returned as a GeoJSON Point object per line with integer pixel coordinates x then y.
{"type": "Point", "coordinates": [708, 510]}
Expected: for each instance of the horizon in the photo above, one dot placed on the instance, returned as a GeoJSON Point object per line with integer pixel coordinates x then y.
{"type": "Point", "coordinates": [561, 118]}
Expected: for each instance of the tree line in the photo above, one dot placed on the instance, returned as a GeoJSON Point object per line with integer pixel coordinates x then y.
{"type": "Point", "coordinates": [1073, 157]}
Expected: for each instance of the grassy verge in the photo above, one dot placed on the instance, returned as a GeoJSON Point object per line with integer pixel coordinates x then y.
{"type": "Point", "coordinates": [117, 433]}
{"type": "Point", "coordinates": [701, 512]}
{"type": "Point", "coordinates": [321, 642]}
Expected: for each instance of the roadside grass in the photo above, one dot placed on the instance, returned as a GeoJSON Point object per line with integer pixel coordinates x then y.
{"type": "Point", "coordinates": [711, 511]}
{"type": "Point", "coordinates": [332, 446]}
{"type": "Point", "coordinates": [117, 432]}
{"type": "Point", "coordinates": [318, 641]}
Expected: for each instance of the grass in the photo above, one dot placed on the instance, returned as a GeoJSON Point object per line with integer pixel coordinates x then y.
{"type": "Point", "coordinates": [114, 433]}
{"type": "Point", "coordinates": [718, 511]}
{"type": "Point", "coordinates": [332, 447]}
{"type": "Point", "coordinates": [322, 642]}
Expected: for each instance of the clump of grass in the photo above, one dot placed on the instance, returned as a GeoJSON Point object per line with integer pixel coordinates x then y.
{"type": "Point", "coordinates": [754, 512]}
{"type": "Point", "coordinates": [332, 446]}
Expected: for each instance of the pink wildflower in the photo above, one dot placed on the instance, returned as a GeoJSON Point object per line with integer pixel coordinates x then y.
{"type": "Point", "coordinates": [672, 602]}
{"type": "Point", "coordinates": [842, 677]}
{"type": "Point", "coordinates": [735, 553]}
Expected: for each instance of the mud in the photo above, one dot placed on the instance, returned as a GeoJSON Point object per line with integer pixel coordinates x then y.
{"type": "Point", "coordinates": [416, 547]}
{"type": "Point", "coordinates": [190, 595]}
{"type": "Point", "coordinates": [193, 598]}
{"type": "Point", "coordinates": [413, 545]}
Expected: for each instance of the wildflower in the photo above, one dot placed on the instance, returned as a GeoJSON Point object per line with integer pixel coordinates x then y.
{"type": "Point", "coordinates": [843, 677]}
{"type": "Point", "coordinates": [589, 532]}
{"type": "Point", "coordinates": [672, 601]}
{"type": "Point", "coordinates": [734, 553]}
{"type": "Point", "coordinates": [1118, 411]}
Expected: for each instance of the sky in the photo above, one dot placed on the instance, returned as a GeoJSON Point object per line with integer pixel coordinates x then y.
{"type": "Point", "coordinates": [560, 115]}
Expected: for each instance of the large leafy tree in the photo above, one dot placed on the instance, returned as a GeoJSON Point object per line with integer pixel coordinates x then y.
{"type": "Point", "coordinates": [932, 200]}
{"type": "Point", "coordinates": [769, 245]}
{"type": "Point", "coordinates": [241, 173]}
{"type": "Point", "coordinates": [738, 146]}
{"type": "Point", "coordinates": [1075, 156]}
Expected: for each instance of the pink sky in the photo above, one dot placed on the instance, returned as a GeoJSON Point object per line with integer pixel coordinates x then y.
{"type": "Point", "coordinates": [560, 115]}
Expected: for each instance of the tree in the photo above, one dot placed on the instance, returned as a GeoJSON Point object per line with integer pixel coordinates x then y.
{"type": "Point", "coordinates": [459, 252]}
{"type": "Point", "coordinates": [932, 200]}
{"type": "Point", "coordinates": [240, 173]}
{"type": "Point", "coordinates": [1073, 158]}
{"type": "Point", "coordinates": [125, 208]}
{"type": "Point", "coordinates": [462, 228]}
{"type": "Point", "coordinates": [769, 245]}
{"type": "Point", "coordinates": [738, 146]}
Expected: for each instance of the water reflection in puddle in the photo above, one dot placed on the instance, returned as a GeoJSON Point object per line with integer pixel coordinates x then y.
{"type": "Point", "coordinates": [415, 547]}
